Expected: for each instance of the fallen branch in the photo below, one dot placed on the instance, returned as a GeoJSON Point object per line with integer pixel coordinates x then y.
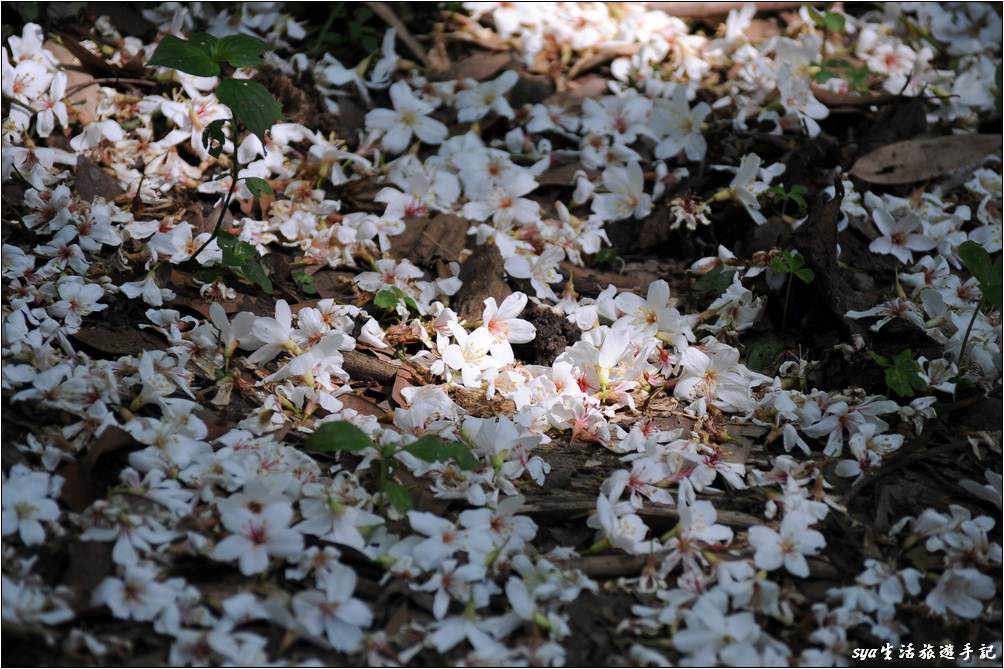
{"type": "Point", "coordinates": [382, 10]}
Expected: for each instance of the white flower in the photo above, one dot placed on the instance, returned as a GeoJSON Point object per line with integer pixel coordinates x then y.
{"type": "Point", "coordinates": [409, 117]}
{"type": "Point", "coordinates": [959, 591]}
{"type": "Point", "coordinates": [472, 354]}
{"type": "Point", "coordinates": [786, 548]}
{"type": "Point", "coordinates": [454, 581]}
{"type": "Point", "coordinates": [503, 325]}
{"type": "Point", "coordinates": [711, 634]}
{"type": "Point", "coordinates": [621, 526]}
{"type": "Point", "coordinates": [77, 299]}
{"type": "Point", "coordinates": [504, 201]}
{"type": "Point", "coordinates": [899, 237]}
{"type": "Point", "coordinates": [622, 118]}
{"type": "Point", "coordinates": [443, 539]}
{"type": "Point", "coordinates": [148, 289]}
{"type": "Point", "coordinates": [26, 503]}
{"type": "Point", "coordinates": [257, 536]}
{"type": "Point", "coordinates": [136, 596]}
{"type": "Point", "coordinates": [273, 335]}
{"type": "Point", "coordinates": [797, 98]}
{"type": "Point", "coordinates": [680, 126]}
{"type": "Point", "coordinates": [332, 611]}
{"type": "Point", "coordinates": [542, 270]}
{"type": "Point", "coordinates": [51, 107]}
{"type": "Point", "coordinates": [626, 197]}
{"type": "Point", "coordinates": [489, 96]}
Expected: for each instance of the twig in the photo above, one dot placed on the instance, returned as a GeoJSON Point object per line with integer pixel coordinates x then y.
{"type": "Point", "coordinates": [223, 211]}
{"type": "Point", "coordinates": [390, 18]}
{"type": "Point", "coordinates": [109, 80]}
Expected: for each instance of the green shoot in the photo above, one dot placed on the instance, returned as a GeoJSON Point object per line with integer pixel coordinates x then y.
{"type": "Point", "coordinates": [988, 274]}
{"type": "Point", "coordinates": [252, 107]}
{"type": "Point", "coordinates": [791, 263]}
{"type": "Point", "coordinates": [902, 373]}
{"type": "Point", "coordinates": [334, 437]}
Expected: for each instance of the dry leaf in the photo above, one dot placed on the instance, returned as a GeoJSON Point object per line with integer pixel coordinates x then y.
{"type": "Point", "coordinates": [479, 66]}
{"type": "Point", "coordinates": [921, 159]}
{"type": "Point", "coordinates": [599, 58]}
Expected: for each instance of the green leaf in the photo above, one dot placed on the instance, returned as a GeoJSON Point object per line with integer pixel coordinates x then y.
{"type": "Point", "coordinates": [762, 353]}
{"type": "Point", "coordinates": [257, 186]}
{"type": "Point", "coordinates": [213, 138]}
{"type": "Point", "coordinates": [236, 253]}
{"type": "Point", "coordinates": [251, 104]}
{"type": "Point", "coordinates": [305, 282]}
{"type": "Point", "coordinates": [780, 264]}
{"type": "Point", "coordinates": [331, 437]}
{"type": "Point", "coordinates": [816, 16]}
{"type": "Point", "coordinates": [834, 22]}
{"type": "Point", "coordinates": [881, 360]}
{"type": "Point", "coordinates": [977, 260]}
{"type": "Point", "coordinates": [254, 271]}
{"type": "Point", "coordinates": [241, 50]}
{"type": "Point", "coordinates": [192, 56]}
{"type": "Point", "coordinates": [387, 298]}
{"type": "Point", "coordinates": [903, 377]}
{"type": "Point", "coordinates": [398, 496]}
{"type": "Point", "coordinates": [715, 282]}
{"type": "Point", "coordinates": [805, 274]}
{"type": "Point", "coordinates": [434, 449]}
{"type": "Point", "coordinates": [986, 271]}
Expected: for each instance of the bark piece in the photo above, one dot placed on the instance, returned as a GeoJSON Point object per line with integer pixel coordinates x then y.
{"type": "Point", "coordinates": [426, 239]}
{"type": "Point", "coordinates": [482, 275]}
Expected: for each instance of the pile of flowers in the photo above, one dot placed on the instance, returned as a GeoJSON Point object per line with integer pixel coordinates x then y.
{"type": "Point", "coordinates": [314, 540]}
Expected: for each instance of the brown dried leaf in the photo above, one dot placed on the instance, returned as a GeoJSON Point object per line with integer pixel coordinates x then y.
{"type": "Point", "coordinates": [921, 159]}
{"type": "Point", "coordinates": [601, 57]}
{"type": "Point", "coordinates": [478, 66]}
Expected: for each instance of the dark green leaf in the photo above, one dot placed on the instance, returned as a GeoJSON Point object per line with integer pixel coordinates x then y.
{"type": "Point", "coordinates": [715, 282]}
{"type": "Point", "coordinates": [434, 449]}
{"type": "Point", "coordinates": [817, 17]}
{"type": "Point", "coordinates": [881, 360]}
{"type": "Point", "coordinates": [977, 260]}
{"type": "Point", "coordinates": [251, 104]}
{"type": "Point", "coordinates": [189, 56]}
{"type": "Point", "coordinates": [331, 437]}
{"type": "Point", "coordinates": [257, 186]}
{"type": "Point", "coordinates": [254, 271]}
{"type": "Point", "coordinates": [834, 22]}
{"type": "Point", "coordinates": [398, 496]}
{"type": "Point", "coordinates": [388, 298]}
{"type": "Point", "coordinates": [805, 274]}
{"type": "Point", "coordinates": [240, 50]}
{"type": "Point", "coordinates": [305, 282]}
{"type": "Point", "coordinates": [986, 271]}
{"type": "Point", "coordinates": [213, 138]}
{"type": "Point", "coordinates": [236, 252]}
{"type": "Point", "coordinates": [762, 353]}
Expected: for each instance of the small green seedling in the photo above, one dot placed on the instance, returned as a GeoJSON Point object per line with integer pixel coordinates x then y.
{"type": "Point", "coordinates": [830, 22]}
{"type": "Point", "coordinates": [989, 275]}
{"type": "Point", "coordinates": [857, 76]}
{"type": "Point", "coordinates": [902, 373]}
{"type": "Point", "coordinates": [791, 263]}
{"type": "Point", "coordinates": [252, 107]}
{"type": "Point", "coordinates": [305, 282]}
{"type": "Point", "coordinates": [796, 194]}
{"type": "Point", "coordinates": [389, 298]}
{"type": "Point", "coordinates": [334, 437]}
